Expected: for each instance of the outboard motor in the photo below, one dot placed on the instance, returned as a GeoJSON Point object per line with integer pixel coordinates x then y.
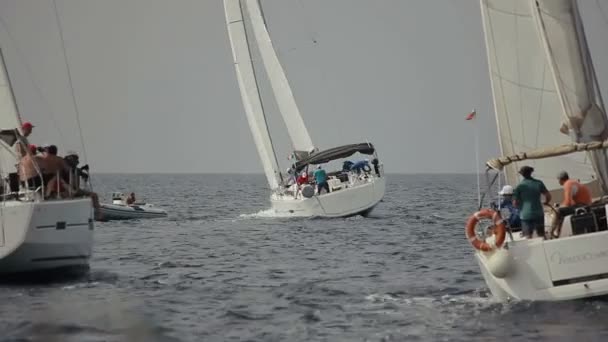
{"type": "Point", "coordinates": [308, 191]}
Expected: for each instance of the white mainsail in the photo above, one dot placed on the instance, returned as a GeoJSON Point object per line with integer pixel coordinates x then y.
{"type": "Point", "coordinates": [249, 90]}
{"type": "Point", "coordinates": [528, 107]}
{"type": "Point", "coordinates": [283, 95]}
{"type": "Point", "coordinates": [9, 119]}
{"type": "Point", "coordinates": [562, 33]}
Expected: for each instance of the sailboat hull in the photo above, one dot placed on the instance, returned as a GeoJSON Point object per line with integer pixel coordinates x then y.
{"type": "Point", "coordinates": [42, 236]}
{"type": "Point", "coordinates": [357, 200]}
{"type": "Point", "coordinates": [550, 270]}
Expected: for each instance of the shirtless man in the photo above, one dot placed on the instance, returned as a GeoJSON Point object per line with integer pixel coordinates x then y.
{"type": "Point", "coordinates": [29, 165]}
{"type": "Point", "coordinates": [54, 167]}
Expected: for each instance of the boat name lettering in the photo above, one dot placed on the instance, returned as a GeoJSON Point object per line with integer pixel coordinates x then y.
{"type": "Point", "coordinates": [560, 258]}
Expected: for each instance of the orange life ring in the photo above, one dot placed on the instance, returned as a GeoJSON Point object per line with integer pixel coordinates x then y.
{"type": "Point", "coordinates": [500, 230]}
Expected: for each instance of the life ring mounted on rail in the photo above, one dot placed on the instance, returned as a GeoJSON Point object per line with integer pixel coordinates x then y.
{"type": "Point", "coordinates": [499, 229]}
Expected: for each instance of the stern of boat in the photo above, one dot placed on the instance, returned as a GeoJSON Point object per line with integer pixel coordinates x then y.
{"type": "Point", "coordinates": [45, 235]}
{"type": "Point", "coordinates": [359, 199]}
{"type": "Point", "coordinates": [550, 270]}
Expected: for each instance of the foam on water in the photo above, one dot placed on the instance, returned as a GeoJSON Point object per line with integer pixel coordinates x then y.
{"type": "Point", "coordinates": [265, 213]}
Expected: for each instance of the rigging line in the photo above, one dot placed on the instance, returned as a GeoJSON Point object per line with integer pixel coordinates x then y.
{"type": "Point", "coordinates": [540, 107]}
{"type": "Point", "coordinates": [67, 66]}
{"type": "Point", "coordinates": [537, 15]}
{"type": "Point", "coordinates": [30, 75]}
{"type": "Point", "coordinates": [255, 78]}
{"type": "Point", "coordinates": [70, 82]}
{"type": "Point", "coordinates": [519, 80]}
{"type": "Point", "coordinates": [500, 83]}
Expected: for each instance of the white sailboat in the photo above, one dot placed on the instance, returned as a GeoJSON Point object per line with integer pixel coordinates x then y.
{"type": "Point", "coordinates": [36, 234]}
{"type": "Point", "coordinates": [351, 192]}
{"type": "Point", "coordinates": [550, 116]}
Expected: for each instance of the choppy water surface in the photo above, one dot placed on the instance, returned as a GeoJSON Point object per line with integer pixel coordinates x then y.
{"type": "Point", "coordinates": [221, 268]}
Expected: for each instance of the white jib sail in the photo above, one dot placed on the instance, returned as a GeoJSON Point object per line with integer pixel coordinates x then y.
{"type": "Point", "coordinates": [249, 90]}
{"type": "Point", "coordinates": [280, 86]}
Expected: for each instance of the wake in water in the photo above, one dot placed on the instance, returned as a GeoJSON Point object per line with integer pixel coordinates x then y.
{"type": "Point", "coordinates": [266, 213]}
{"type": "Point", "coordinates": [480, 300]}
{"type": "Point", "coordinates": [272, 213]}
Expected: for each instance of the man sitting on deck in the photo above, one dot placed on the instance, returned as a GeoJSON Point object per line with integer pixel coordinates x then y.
{"type": "Point", "coordinates": [575, 193]}
{"type": "Point", "coordinates": [54, 168]}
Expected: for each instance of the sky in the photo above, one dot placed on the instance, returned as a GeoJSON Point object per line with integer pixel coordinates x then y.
{"type": "Point", "coordinates": [156, 90]}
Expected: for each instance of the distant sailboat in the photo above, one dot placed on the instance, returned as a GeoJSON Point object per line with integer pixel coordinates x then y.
{"type": "Point", "coordinates": [548, 107]}
{"type": "Point", "coordinates": [352, 191]}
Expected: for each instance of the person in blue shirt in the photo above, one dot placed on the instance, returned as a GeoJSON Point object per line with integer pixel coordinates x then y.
{"type": "Point", "coordinates": [321, 179]}
{"type": "Point", "coordinates": [362, 165]}
{"type": "Point", "coordinates": [506, 202]}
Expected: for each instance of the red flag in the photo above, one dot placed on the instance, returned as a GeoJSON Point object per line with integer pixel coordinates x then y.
{"type": "Point", "coordinates": [471, 115]}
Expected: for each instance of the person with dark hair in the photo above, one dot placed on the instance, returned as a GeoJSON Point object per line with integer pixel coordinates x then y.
{"type": "Point", "coordinates": [71, 158]}
{"type": "Point", "coordinates": [131, 199]}
{"type": "Point", "coordinates": [321, 179]}
{"type": "Point", "coordinates": [74, 175]}
{"type": "Point", "coordinates": [347, 165]}
{"type": "Point", "coordinates": [575, 193]}
{"type": "Point", "coordinates": [527, 197]}
{"type": "Point", "coordinates": [54, 167]}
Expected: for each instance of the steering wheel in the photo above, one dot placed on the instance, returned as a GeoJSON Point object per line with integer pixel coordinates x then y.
{"type": "Point", "coordinates": [556, 227]}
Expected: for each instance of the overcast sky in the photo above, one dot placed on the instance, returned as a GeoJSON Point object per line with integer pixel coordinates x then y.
{"type": "Point", "coordinates": [157, 91]}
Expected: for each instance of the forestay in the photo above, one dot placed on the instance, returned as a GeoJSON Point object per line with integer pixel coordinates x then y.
{"type": "Point", "coordinates": [528, 108]}
{"type": "Point", "coordinates": [280, 86]}
{"type": "Point", "coordinates": [249, 90]}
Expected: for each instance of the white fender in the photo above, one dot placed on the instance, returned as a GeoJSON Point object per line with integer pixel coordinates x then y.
{"type": "Point", "coordinates": [499, 262]}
